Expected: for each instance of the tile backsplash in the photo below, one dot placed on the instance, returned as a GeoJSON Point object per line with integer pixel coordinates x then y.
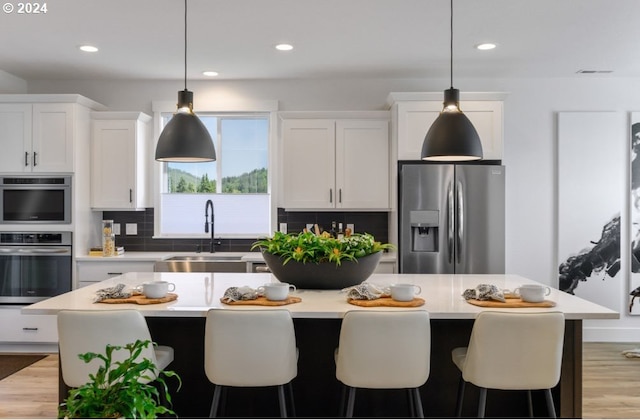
{"type": "Point", "coordinates": [375, 223]}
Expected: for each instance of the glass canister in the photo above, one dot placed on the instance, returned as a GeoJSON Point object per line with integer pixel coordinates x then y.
{"type": "Point", "coordinates": [108, 239]}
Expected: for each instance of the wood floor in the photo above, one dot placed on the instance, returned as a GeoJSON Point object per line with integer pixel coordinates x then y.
{"type": "Point", "coordinates": [611, 385]}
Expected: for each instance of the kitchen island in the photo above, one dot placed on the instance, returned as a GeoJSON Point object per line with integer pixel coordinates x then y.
{"type": "Point", "coordinates": [317, 321]}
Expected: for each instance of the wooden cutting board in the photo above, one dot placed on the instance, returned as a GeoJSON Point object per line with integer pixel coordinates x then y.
{"type": "Point", "coordinates": [512, 303]}
{"type": "Point", "coordinates": [387, 301]}
{"type": "Point", "coordinates": [141, 299]}
{"type": "Point", "coordinates": [263, 301]}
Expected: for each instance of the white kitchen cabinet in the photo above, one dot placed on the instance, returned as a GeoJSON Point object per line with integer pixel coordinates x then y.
{"type": "Point", "coordinates": [19, 328]}
{"type": "Point", "coordinates": [119, 154]}
{"type": "Point", "coordinates": [413, 118]}
{"type": "Point", "coordinates": [386, 267]}
{"type": "Point", "coordinates": [15, 126]}
{"type": "Point", "coordinates": [37, 137]}
{"type": "Point", "coordinates": [90, 272]}
{"type": "Point", "coordinates": [341, 164]}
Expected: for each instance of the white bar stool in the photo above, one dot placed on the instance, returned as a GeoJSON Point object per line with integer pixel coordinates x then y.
{"type": "Point", "coordinates": [512, 351]}
{"type": "Point", "coordinates": [253, 348]}
{"type": "Point", "coordinates": [384, 350]}
{"type": "Point", "coordinates": [90, 331]}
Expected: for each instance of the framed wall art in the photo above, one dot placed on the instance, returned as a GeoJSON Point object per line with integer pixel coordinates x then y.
{"type": "Point", "coordinates": [591, 180]}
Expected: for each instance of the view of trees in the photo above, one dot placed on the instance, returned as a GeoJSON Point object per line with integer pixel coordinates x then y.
{"type": "Point", "coordinates": [252, 182]}
{"type": "Point", "coordinates": [249, 182]}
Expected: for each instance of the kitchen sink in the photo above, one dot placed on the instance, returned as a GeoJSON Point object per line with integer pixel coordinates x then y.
{"type": "Point", "coordinates": [211, 263]}
{"type": "Point", "coordinates": [207, 258]}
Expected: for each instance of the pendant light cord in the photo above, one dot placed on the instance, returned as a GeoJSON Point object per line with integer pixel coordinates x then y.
{"type": "Point", "coordinates": [450, 47]}
{"type": "Point", "coordinates": [185, 44]}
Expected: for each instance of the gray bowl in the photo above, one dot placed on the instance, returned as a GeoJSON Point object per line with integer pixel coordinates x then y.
{"type": "Point", "coordinates": [325, 275]}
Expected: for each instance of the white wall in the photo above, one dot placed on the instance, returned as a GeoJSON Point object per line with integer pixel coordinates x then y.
{"type": "Point", "coordinates": [11, 84]}
{"type": "Point", "coordinates": [530, 150]}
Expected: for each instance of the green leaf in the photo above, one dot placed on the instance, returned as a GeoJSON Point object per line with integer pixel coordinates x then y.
{"type": "Point", "coordinates": [115, 390]}
{"type": "Point", "coordinates": [307, 247]}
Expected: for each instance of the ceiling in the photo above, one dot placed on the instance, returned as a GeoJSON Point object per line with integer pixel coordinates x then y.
{"type": "Point", "coordinates": [144, 39]}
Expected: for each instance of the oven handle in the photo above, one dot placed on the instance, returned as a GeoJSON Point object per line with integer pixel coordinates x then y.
{"type": "Point", "coordinates": [45, 251]}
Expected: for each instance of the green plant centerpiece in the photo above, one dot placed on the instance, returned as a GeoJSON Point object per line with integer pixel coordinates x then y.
{"type": "Point", "coordinates": [120, 388]}
{"type": "Point", "coordinates": [311, 261]}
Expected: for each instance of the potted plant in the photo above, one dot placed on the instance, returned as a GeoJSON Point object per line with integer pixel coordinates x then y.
{"type": "Point", "coordinates": [311, 261]}
{"type": "Point", "coordinates": [116, 390]}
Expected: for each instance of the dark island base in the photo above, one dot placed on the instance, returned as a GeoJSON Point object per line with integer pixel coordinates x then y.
{"type": "Point", "coordinates": [317, 392]}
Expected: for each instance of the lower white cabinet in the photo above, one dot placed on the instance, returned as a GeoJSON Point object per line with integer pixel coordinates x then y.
{"type": "Point", "coordinates": [90, 272]}
{"type": "Point", "coordinates": [386, 267]}
{"type": "Point", "coordinates": [16, 327]}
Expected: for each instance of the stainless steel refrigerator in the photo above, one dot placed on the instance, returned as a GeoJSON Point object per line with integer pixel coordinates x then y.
{"type": "Point", "coordinates": [451, 218]}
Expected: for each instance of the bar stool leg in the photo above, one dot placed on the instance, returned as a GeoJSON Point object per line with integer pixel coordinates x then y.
{"type": "Point", "coordinates": [283, 403]}
{"type": "Point", "coordinates": [418, 403]}
{"type": "Point", "coordinates": [215, 402]}
{"type": "Point", "coordinates": [293, 403]}
{"type": "Point", "coordinates": [343, 402]}
{"type": "Point", "coordinates": [351, 402]}
{"type": "Point", "coordinates": [482, 403]}
{"type": "Point", "coordinates": [461, 386]}
{"type": "Point", "coordinates": [550, 406]}
{"type": "Point", "coordinates": [410, 401]}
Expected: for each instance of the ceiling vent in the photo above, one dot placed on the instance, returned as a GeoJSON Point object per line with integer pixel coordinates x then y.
{"type": "Point", "coordinates": [594, 71]}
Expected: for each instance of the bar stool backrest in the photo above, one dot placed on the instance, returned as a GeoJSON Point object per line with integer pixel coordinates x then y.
{"type": "Point", "coordinates": [250, 348]}
{"type": "Point", "coordinates": [515, 350]}
{"type": "Point", "coordinates": [384, 349]}
{"type": "Point", "coordinates": [90, 331]}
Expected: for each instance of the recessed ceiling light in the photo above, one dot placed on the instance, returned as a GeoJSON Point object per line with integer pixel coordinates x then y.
{"type": "Point", "coordinates": [284, 47]}
{"type": "Point", "coordinates": [486, 46]}
{"type": "Point", "coordinates": [88, 48]}
{"type": "Point", "coordinates": [210, 73]}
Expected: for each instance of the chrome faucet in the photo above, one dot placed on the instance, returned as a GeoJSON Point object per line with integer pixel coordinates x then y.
{"type": "Point", "coordinates": [208, 222]}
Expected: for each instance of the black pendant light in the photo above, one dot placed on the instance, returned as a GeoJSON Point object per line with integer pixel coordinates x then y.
{"type": "Point", "coordinates": [185, 138]}
{"type": "Point", "coordinates": [451, 137]}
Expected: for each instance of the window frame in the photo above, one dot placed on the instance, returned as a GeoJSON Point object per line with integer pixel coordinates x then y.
{"type": "Point", "coordinates": [248, 108]}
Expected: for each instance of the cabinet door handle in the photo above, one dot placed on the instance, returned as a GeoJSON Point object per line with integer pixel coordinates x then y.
{"type": "Point", "coordinates": [34, 159]}
{"type": "Point", "coordinates": [114, 274]}
{"type": "Point", "coordinates": [26, 158]}
{"type": "Point", "coordinates": [331, 195]}
{"type": "Point", "coordinates": [130, 195]}
{"type": "Point", "coordinates": [340, 195]}
{"type": "Point", "coordinates": [30, 329]}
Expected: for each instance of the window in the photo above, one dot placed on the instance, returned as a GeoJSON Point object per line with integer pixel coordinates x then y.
{"type": "Point", "coordinates": [237, 182]}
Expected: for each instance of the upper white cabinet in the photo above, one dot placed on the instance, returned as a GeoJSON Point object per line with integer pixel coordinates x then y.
{"type": "Point", "coordinates": [44, 133]}
{"type": "Point", "coordinates": [37, 137]}
{"type": "Point", "coordinates": [335, 164]}
{"type": "Point", "coordinates": [362, 164]}
{"type": "Point", "coordinates": [119, 153]}
{"type": "Point", "coordinates": [413, 114]}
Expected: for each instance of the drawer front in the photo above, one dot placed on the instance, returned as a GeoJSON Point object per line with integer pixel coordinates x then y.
{"type": "Point", "coordinates": [20, 328]}
{"type": "Point", "coordinates": [101, 270]}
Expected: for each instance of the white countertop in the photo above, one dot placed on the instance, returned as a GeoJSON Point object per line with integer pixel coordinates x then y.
{"type": "Point", "coordinates": [253, 257]}
{"type": "Point", "coordinates": [199, 292]}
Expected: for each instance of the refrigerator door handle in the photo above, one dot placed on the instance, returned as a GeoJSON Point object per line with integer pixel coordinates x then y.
{"type": "Point", "coordinates": [450, 223]}
{"type": "Point", "coordinates": [459, 221]}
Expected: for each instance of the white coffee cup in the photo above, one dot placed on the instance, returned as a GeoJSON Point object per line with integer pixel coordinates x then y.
{"type": "Point", "coordinates": [276, 291]}
{"type": "Point", "coordinates": [404, 292]}
{"type": "Point", "coordinates": [156, 289]}
{"type": "Point", "coordinates": [532, 292]}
